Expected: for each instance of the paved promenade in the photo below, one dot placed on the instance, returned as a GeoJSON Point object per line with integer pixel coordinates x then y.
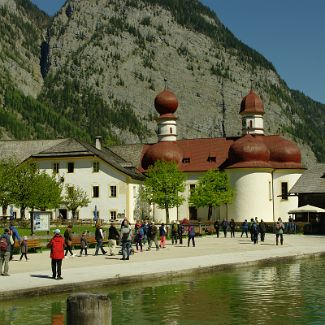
{"type": "Point", "coordinates": [210, 254]}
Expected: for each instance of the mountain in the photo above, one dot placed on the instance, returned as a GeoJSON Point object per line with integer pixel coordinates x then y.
{"type": "Point", "coordinates": [101, 63]}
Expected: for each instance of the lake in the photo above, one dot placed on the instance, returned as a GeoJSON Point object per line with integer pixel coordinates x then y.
{"type": "Point", "coordinates": [287, 293]}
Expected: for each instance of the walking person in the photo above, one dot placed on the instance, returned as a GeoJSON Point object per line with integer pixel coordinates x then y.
{"type": "Point", "coordinates": [174, 233]}
{"type": "Point", "coordinates": [216, 227]}
{"type": "Point", "coordinates": [279, 227]}
{"type": "Point", "coordinates": [152, 235]}
{"type": "Point", "coordinates": [262, 230]}
{"type": "Point", "coordinates": [191, 236]}
{"type": "Point", "coordinates": [126, 237]}
{"type": "Point", "coordinates": [255, 232]}
{"type": "Point", "coordinates": [162, 234]}
{"type": "Point", "coordinates": [139, 234]}
{"type": "Point", "coordinates": [113, 236]}
{"type": "Point", "coordinates": [56, 244]}
{"type": "Point", "coordinates": [24, 248]}
{"type": "Point", "coordinates": [15, 237]}
{"type": "Point", "coordinates": [244, 228]}
{"type": "Point", "coordinates": [99, 236]}
{"type": "Point", "coordinates": [232, 226]}
{"type": "Point", "coordinates": [251, 228]}
{"type": "Point", "coordinates": [224, 226]}
{"type": "Point", "coordinates": [68, 240]}
{"type": "Point", "coordinates": [180, 231]}
{"type": "Point", "coordinates": [6, 242]}
{"type": "Point", "coordinates": [145, 227]}
{"type": "Point", "coordinates": [83, 244]}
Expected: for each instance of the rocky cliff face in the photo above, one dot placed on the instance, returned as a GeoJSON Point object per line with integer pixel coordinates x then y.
{"type": "Point", "coordinates": [22, 26]}
{"type": "Point", "coordinates": [120, 52]}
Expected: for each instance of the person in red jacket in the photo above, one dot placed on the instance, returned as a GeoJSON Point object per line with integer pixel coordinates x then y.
{"type": "Point", "coordinates": [57, 254]}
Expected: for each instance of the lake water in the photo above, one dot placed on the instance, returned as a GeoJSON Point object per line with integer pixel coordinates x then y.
{"type": "Point", "coordinates": [292, 293]}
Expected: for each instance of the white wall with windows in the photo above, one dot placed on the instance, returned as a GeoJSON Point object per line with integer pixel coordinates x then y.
{"type": "Point", "coordinates": [284, 179]}
{"type": "Point", "coordinates": [107, 187]}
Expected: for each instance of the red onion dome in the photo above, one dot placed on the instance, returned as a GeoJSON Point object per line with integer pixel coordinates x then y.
{"type": "Point", "coordinates": [251, 103]}
{"type": "Point", "coordinates": [249, 152]}
{"type": "Point", "coordinates": [282, 150]}
{"type": "Point", "coordinates": [165, 151]}
{"type": "Point", "coordinates": [166, 102]}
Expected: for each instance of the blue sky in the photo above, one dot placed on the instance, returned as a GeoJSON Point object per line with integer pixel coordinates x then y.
{"type": "Point", "coordinates": [289, 33]}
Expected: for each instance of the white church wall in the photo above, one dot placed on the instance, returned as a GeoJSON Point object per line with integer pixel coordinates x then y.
{"type": "Point", "coordinates": [282, 206]}
{"type": "Point", "coordinates": [252, 195]}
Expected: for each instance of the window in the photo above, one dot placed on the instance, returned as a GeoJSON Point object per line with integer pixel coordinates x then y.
{"type": "Point", "coordinates": [96, 166]}
{"type": "Point", "coordinates": [70, 190]}
{"type": "Point", "coordinates": [56, 167]}
{"type": "Point", "coordinates": [211, 159]}
{"type": "Point", "coordinates": [170, 130]}
{"type": "Point", "coordinates": [250, 124]}
{"type": "Point", "coordinates": [186, 160]}
{"type": "Point", "coordinates": [95, 191]}
{"type": "Point", "coordinates": [284, 191]}
{"type": "Point", "coordinates": [192, 188]}
{"type": "Point", "coordinates": [70, 167]}
{"type": "Point", "coordinates": [113, 215]}
{"type": "Point", "coordinates": [112, 191]}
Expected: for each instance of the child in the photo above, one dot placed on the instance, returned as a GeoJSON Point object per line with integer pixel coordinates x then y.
{"type": "Point", "coordinates": [162, 233]}
{"type": "Point", "coordinates": [24, 248]}
{"type": "Point", "coordinates": [83, 243]}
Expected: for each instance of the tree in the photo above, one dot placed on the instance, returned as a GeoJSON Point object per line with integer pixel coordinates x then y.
{"type": "Point", "coordinates": [33, 189]}
{"type": "Point", "coordinates": [7, 168]}
{"type": "Point", "coordinates": [22, 185]}
{"type": "Point", "coordinates": [74, 198]}
{"type": "Point", "coordinates": [213, 190]}
{"type": "Point", "coordinates": [163, 184]}
{"type": "Point", "coordinates": [46, 192]}
{"type": "Point", "coordinates": [142, 206]}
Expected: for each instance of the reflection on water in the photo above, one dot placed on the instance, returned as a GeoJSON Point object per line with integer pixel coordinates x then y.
{"type": "Point", "coordinates": [291, 293]}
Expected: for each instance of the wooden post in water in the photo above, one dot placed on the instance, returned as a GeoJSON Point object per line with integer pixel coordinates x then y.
{"type": "Point", "coordinates": [87, 308]}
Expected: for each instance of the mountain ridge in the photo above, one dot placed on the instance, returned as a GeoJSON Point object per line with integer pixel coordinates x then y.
{"type": "Point", "coordinates": [107, 60]}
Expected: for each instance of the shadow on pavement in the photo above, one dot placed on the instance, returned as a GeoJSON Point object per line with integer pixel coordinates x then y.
{"type": "Point", "coordinates": [42, 276]}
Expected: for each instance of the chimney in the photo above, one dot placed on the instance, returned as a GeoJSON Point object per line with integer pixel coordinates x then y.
{"type": "Point", "coordinates": [98, 143]}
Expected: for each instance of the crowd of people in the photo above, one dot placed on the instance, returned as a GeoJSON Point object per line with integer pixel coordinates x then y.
{"type": "Point", "coordinates": [256, 229]}
{"type": "Point", "coordinates": [143, 233]}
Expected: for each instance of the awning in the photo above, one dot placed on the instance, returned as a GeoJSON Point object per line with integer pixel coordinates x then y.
{"type": "Point", "coordinates": [307, 208]}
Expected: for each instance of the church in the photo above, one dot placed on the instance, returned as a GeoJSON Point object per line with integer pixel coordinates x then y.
{"type": "Point", "coordinates": [262, 169]}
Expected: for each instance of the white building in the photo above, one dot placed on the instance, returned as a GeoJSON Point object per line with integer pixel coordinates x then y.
{"type": "Point", "coordinates": [261, 168]}
{"type": "Point", "coordinates": [109, 181]}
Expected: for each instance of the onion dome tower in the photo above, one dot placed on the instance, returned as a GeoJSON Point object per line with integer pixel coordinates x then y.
{"type": "Point", "coordinates": [166, 105]}
{"type": "Point", "coordinates": [166, 149]}
{"type": "Point", "coordinates": [252, 111]}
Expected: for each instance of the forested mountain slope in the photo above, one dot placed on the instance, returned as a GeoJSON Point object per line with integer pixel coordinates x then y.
{"type": "Point", "coordinates": [103, 63]}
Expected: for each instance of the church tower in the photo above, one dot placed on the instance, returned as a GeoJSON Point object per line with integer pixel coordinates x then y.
{"type": "Point", "coordinates": [252, 111]}
{"type": "Point", "coordinates": [166, 105]}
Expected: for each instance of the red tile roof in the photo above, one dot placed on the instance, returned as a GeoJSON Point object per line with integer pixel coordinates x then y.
{"type": "Point", "coordinates": [200, 155]}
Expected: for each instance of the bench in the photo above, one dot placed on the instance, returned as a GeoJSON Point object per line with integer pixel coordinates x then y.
{"type": "Point", "coordinates": [90, 239]}
{"type": "Point", "coordinates": [33, 244]}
